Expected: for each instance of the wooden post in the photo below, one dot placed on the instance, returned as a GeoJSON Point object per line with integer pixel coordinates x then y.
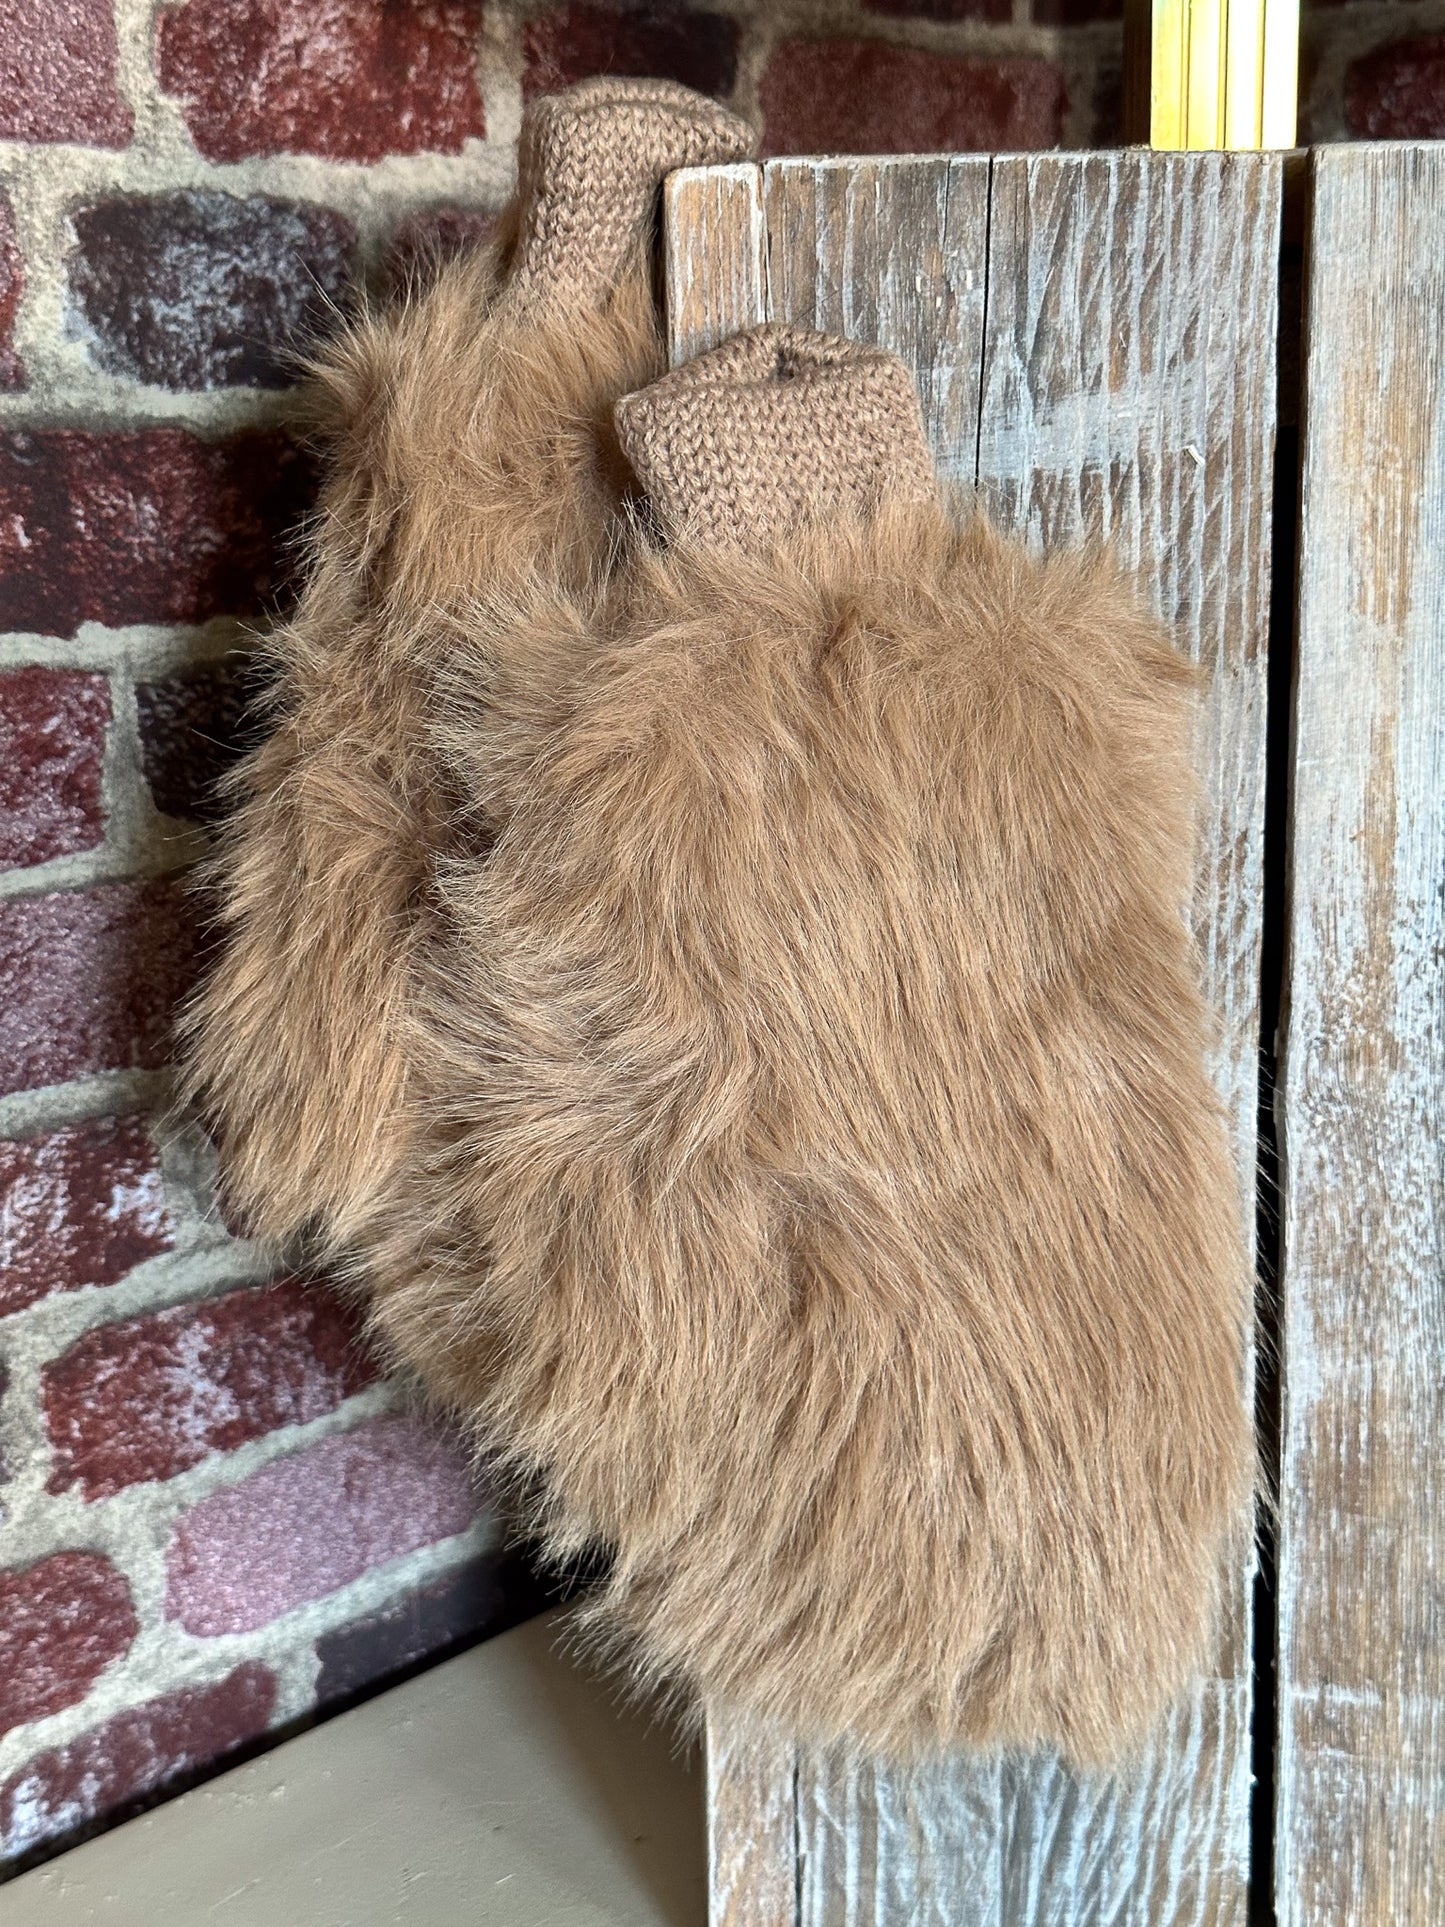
{"type": "Point", "coordinates": [1360, 1825]}
{"type": "Point", "coordinates": [1211, 73]}
{"type": "Point", "coordinates": [1093, 338]}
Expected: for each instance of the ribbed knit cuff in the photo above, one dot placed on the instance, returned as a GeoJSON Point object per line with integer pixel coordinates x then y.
{"type": "Point", "coordinates": [590, 162]}
{"type": "Point", "coordinates": [779, 426]}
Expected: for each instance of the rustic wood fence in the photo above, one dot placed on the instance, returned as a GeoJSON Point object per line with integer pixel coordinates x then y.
{"type": "Point", "coordinates": [1095, 338]}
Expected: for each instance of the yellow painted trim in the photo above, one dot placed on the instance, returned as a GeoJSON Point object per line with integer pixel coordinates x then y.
{"type": "Point", "coordinates": [1166, 74]}
{"type": "Point", "coordinates": [1204, 75]}
{"type": "Point", "coordinates": [1223, 73]}
{"type": "Point", "coordinates": [1280, 90]}
{"type": "Point", "coordinates": [1244, 73]}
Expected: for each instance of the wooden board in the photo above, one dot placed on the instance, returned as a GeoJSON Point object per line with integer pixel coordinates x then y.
{"type": "Point", "coordinates": [1093, 338]}
{"type": "Point", "coordinates": [1361, 1767]}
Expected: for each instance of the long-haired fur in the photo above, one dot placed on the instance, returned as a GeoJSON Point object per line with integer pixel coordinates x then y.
{"type": "Point", "coordinates": [821, 1195]}
{"type": "Point", "coordinates": [465, 451]}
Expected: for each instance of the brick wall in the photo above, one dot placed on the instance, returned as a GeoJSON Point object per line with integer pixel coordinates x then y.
{"type": "Point", "coordinates": [214, 1516]}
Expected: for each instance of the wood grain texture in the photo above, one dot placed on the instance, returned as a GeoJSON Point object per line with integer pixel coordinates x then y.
{"type": "Point", "coordinates": [751, 1826]}
{"type": "Point", "coordinates": [1361, 1783]}
{"type": "Point", "coordinates": [1128, 396]}
{"type": "Point", "coordinates": [1093, 340]}
{"type": "Point", "coordinates": [892, 251]}
{"type": "Point", "coordinates": [717, 282]}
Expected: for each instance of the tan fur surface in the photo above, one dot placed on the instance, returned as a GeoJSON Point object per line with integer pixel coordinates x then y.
{"type": "Point", "coordinates": [465, 452]}
{"type": "Point", "coordinates": [823, 1194]}
{"type": "Point", "coordinates": [469, 442]}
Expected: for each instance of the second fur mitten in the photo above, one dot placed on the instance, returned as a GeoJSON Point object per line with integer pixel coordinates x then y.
{"type": "Point", "coordinates": [825, 1198]}
{"type": "Point", "coordinates": [469, 443]}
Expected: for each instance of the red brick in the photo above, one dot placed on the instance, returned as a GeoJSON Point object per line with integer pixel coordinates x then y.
{"type": "Point", "coordinates": [193, 727]}
{"type": "Point", "coordinates": [201, 289]}
{"type": "Point", "coordinates": [52, 743]}
{"type": "Point", "coordinates": [82, 1206]}
{"type": "Point", "coordinates": [300, 1528]}
{"type": "Point", "coordinates": [57, 73]}
{"type": "Point", "coordinates": [848, 96]}
{"type": "Point", "coordinates": [430, 235]}
{"type": "Point", "coordinates": [151, 526]}
{"type": "Point", "coordinates": [89, 980]}
{"type": "Point", "coordinates": [62, 1622]}
{"type": "Point", "coordinates": [139, 1752]}
{"type": "Point", "coordinates": [354, 80]}
{"type": "Point", "coordinates": [663, 42]}
{"type": "Point", "coordinates": [145, 1398]}
{"type": "Point", "coordinates": [12, 286]}
{"type": "Point", "coordinates": [1397, 92]}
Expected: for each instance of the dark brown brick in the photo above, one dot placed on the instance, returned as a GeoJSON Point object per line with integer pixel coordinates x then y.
{"type": "Point", "coordinates": [1397, 92]}
{"type": "Point", "coordinates": [52, 746]}
{"type": "Point", "coordinates": [354, 80]}
{"type": "Point", "coordinates": [848, 96]}
{"type": "Point", "coordinates": [12, 286]}
{"type": "Point", "coordinates": [942, 9]}
{"type": "Point", "coordinates": [62, 1622]}
{"type": "Point", "coordinates": [193, 727]}
{"type": "Point", "coordinates": [145, 1750]}
{"type": "Point", "coordinates": [57, 73]}
{"type": "Point", "coordinates": [145, 1398]}
{"type": "Point", "coordinates": [203, 290]}
{"type": "Point", "coordinates": [664, 42]}
{"type": "Point", "coordinates": [152, 526]}
{"type": "Point", "coordinates": [428, 236]}
{"type": "Point", "coordinates": [89, 980]}
{"type": "Point", "coordinates": [482, 1599]}
{"type": "Point", "coordinates": [82, 1206]}
{"type": "Point", "coordinates": [1075, 13]}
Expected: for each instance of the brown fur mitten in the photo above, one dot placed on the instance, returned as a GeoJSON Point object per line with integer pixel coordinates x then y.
{"type": "Point", "coordinates": [827, 1201]}
{"type": "Point", "coordinates": [470, 443]}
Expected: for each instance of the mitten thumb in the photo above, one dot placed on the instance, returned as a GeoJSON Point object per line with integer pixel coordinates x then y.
{"type": "Point", "coordinates": [779, 426]}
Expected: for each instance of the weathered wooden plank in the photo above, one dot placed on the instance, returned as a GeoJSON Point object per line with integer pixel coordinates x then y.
{"type": "Point", "coordinates": [1361, 1768]}
{"type": "Point", "coordinates": [892, 251]}
{"type": "Point", "coordinates": [1128, 396]}
{"type": "Point", "coordinates": [1025, 1841]}
{"type": "Point", "coordinates": [752, 1827]}
{"type": "Point", "coordinates": [715, 277]}
{"type": "Point", "coordinates": [1106, 371]}
{"type": "Point", "coordinates": [715, 268]}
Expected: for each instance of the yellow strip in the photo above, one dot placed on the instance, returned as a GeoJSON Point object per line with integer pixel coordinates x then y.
{"type": "Point", "coordinates": [1280, 86]}
{"type": "Point", "coordinates": [1223, 73]}
{"type": "Point", "coordinates": [1166, 74]}
{"type": "Point", "coordinates": [1244, 73]}
{"type": "Point", "coordinates": [1204, 77]}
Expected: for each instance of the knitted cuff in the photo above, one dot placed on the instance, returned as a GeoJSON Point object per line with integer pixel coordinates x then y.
{"type": "Point", "coordinates": [589, 164]}
{"type": "Point", "coordinates": [779, 426]}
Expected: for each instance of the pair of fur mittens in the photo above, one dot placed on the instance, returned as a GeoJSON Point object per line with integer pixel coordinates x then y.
{"type": "Point", "coordinates": [826, 1202]}
{"type": "Point", "coordinates": [797, 1160]}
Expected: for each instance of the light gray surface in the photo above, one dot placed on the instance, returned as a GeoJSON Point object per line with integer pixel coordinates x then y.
{"type": "Point", "coordinates": [1360, 1779]}
{"type": "Point", "coordinates": [505, 1787]}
